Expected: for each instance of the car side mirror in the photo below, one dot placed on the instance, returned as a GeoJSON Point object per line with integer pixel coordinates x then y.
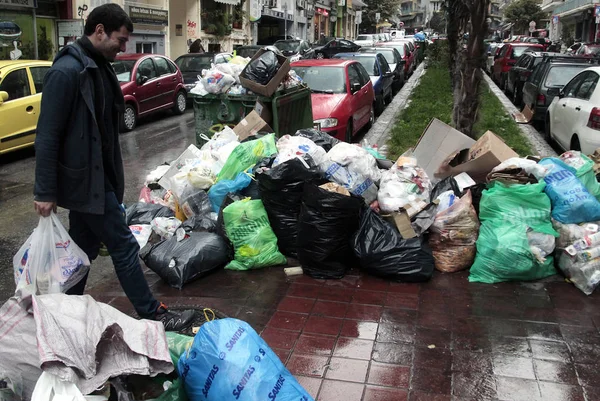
{"type": "Point", "coordinates": [3, 97]}
{"type": "Point", "coordinates": [355, 87]}
{"type": "Point", "coordinates": [388, 74]}
{"type": "Point", "coordinates": [142, 80]}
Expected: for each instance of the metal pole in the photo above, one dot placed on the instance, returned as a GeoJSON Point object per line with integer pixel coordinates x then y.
{"type": "Point", "coordinates": [35, 36]}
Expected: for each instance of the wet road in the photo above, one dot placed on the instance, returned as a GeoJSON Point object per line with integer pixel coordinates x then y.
{"type": "Point", "coordinates": [156, 140]}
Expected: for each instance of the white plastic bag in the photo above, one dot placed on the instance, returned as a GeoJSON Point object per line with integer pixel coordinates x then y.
{"type": "Point", "coordinates": [50, 388]}
{"type": "Point", "coordinates": [402, 186]}
{"type": "Point", "coordinates": [165, 227]}
{"type": "Point", "coordinates": [290, 147]}
{"type": "Point", "coordinates": [142, 233]}
{"type": "Point", "coordinates": [215, 81]}
{"type": "Point", "coordinates": [50, 259]}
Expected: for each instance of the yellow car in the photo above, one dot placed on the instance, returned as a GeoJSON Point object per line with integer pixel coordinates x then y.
{"type": "Point", "coordinates": [20, 99]}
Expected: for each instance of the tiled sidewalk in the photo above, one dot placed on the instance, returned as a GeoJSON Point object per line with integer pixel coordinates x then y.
{"type": "Point", "coordinates": [363, 338]}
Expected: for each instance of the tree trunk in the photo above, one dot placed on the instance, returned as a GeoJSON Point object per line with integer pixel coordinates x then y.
{"type": "Point", "coordinates": [467, 70]}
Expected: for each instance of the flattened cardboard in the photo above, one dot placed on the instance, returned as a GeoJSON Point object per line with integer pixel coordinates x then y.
{"type": "Point", "coordinates": [525, 116]}
{"type": "Point", "coordinates": [264, 111]}
{"type": "Point", "coordinates": [478, 161]}
{"type": "Point", "coordinates": [437, 142]}
{"type": "Point", "coordinates": [251, 125]}
{"type": "Point", "coordinates": [270, 88]}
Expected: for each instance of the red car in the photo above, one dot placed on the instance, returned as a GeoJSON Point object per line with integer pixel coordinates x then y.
{"type": "Point", "coordinates": [342, 95]}
{"type": "Point", "coordinates": [588, 50]}
{"type": "Point", "coordinates": [150, 83]}
{"type": "Point", "coordinates": [507, 58]}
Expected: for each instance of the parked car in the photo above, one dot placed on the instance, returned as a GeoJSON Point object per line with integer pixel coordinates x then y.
{"type": "Point", "coordinates": [546, 81]}
{"type": "Point", "coordinates": [342, 95]}
{"type": "Point", "coordinates": [292, 48]}
{"type": "Point", "coordinates": [518, 75]}
{"type": "Point", "coordinates": [588, 50]}
{"type": "Point", "coordinates": [395, 61]}
{"type": "Point", "coordinates": [366, 40]}
{"type": "Point", "coordinates": [21, 83]}
{"type": "Point", "coordinates": [408, 58]}
{"type": "Point", "coordinates": [574, 47]}
{"type": "Point", "coordinates": [192, 64]}
{"type": "Point", "coordinates": [536, 40]}
{"type": "Point", "coordinates": [492, 52]}
{"type": "Point", "coordinates": [412, 48]}
{"type": "Point", "coordinates": [380, 74]}
{"type": "Point", "coordinates": [150, 83]}
{"type": "Point", "coordinates": [332, 48]}
{"type": "Point", "coordinates": [507, 58]}
{"type": "Point", "coordinates": [247, 51]}
{"type": "Point", "coordinates": [573, 118]}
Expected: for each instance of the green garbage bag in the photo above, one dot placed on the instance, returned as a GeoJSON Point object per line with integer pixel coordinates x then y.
{"type": "Point", "coordinates": [246, 155]}
{"type": "Point", "coordinates": [178, 344]}
{"type": "Point", "coordinates": [247, 227]}
{"type": "Point", "coordinates": [515, 227]}
{"type": "Point", "coordinates": [584, 170]}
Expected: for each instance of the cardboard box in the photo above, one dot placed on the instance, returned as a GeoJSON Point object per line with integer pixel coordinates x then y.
{"type": "Point", "coordinates": [269, 89]}
{"type": "Point", "coordinates": [478, 161]}
{"type": "Point", "coordinates": [192, 152]}
{"type": "Point", "coordinates": [525, 116]}
{"type": "Point", "coordinates": [437, 142]}
{"type": "Point", "coordinates": [264, 111]}
{"type": "Point", "coordinates": [251, 125]}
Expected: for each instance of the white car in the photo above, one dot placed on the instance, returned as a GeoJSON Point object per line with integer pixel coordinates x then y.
{"type": "Point", "coordinates": [366, 40]}
{"type": "Point", "coordinates": [573, 118]}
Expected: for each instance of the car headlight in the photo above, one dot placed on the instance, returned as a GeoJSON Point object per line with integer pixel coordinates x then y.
{"type": "Point", "coordinates": [327, 122]}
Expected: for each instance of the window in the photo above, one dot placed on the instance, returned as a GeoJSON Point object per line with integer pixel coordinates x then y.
{"type": "Point", "coordinates": [345, 43]}
{"type": "Point", "coordinates": [146, 48]}
{"type": "Point", "coordinates": [364, 75]}
{"type": "Point", "coordinates": [38, 74]}
{"type": "Point", "coordinates": [560, 75]}
{"type": "Point", "coordinates": [16, 84]}
{"type": "Point", "coordinates": [522, 61]}
{"type": "Point", "coordinates": [503, 51]}
{"type": "Point", "coordinates": [172, 67]}
{"type": "Point", "coordinates": [323, 79]}
{"type": "Point", "coordinates": [162, 67]}
{"type": "Point", "coordinates": [123, 69]}
{"type": "Point", "coordinates": [354, 76]}
{"type": "Point", "coordinates": [146, 68]}
{"type": "Point", "coordinates": [571, 87]}
{"type": "Point", "coordinates": [588, 85]}
{"type": "Point", "coordinates": [384, 64]}
{"type": "Point", "coordinates": [219, 59]}
{"type": "Point", "coordinates": [536, 76]}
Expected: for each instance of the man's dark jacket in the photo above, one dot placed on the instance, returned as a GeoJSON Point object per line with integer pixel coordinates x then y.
{"type": "Point", "coordinates": [69, 168]}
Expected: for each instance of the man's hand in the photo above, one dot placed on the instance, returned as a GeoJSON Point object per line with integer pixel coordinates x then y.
{"type": "Point", "coordinates": [44, 208]}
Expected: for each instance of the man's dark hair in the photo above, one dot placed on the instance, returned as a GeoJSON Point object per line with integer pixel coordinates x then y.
{"type": "Point", "coordinates": [111, 15]}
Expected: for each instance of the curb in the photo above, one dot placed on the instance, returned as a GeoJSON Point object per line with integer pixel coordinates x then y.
{"type": "Point", "coordinates": [535, 139]}
{"type": "Point", "coordinates": [381, 131]}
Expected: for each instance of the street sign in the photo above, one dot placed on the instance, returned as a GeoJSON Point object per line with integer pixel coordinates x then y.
{"type": "Point", "coordinates": [555, 19]}
{"type": "Point", "coordinates": [377, 16]}
{"type": "Point", "coordinates": [532, 26]}
{"type": "Point", "coordinates": [597, 10]}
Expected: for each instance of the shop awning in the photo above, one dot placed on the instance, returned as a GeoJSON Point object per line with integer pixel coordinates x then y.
{"type": "Point", "coordinates": [383, 25]}
{"type": "Point", "coordinates": [231, 2]}
{"type": "Point", "coordinates": [358, 4]}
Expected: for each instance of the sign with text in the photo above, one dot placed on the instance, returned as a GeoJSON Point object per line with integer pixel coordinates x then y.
{"type": "Point", "coordinates": [148, 16]}
{"type": "Point", "coordinates": [19, 3]}
{"type": "Point", "coordinates": [70, 28]}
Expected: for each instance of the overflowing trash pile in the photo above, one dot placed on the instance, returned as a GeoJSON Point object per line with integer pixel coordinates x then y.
{"type": "Point", "coordinates": [224, 78]}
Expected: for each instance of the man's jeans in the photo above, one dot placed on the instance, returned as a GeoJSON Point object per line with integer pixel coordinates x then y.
{"type": "Point", "coordinates": [89, 230]}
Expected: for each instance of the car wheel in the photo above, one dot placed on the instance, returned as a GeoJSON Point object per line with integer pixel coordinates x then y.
{"type": "Point", "coordinates": [349, 131]}
{"type": "Point", "coordinates": [575, 144]}
{"type": "Point", "coordinates": [180, 103]}
{"type": "Point", "coordinates": [320, 56]}
{"type": "Point", "coordinates": [371, 118]}
{"type": "Point", "coordinates": [129, 120]}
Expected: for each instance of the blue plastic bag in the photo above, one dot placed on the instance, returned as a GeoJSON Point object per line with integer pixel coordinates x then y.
{"type": "Point", "coordinates": [229, 361]}
{"type": "Point", "coordinates": [571, 201]}
{"type": "Point", "coordinates": [219, 191]}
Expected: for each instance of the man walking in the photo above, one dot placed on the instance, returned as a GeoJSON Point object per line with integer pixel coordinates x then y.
{"type": "Point", "coordinates": [78, 156]}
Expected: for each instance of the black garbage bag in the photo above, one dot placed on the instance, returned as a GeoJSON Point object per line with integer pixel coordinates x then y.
{"type": "Point", "coordinates": [229, 199]}
{"type": "Point", "coordinates": [252, 191]}
{"type": "Point", "coordinates": [476, 192]}
{"type": "Point", "coordinates": [179, 262]}
{"type": "Point", "coordinates": [326, 225]}
{"type": "Point", "coordinates": [383, 252]}
{"type": "Point", "coordinates": [144, 213]}
{"type": "Point", "coordinates": [263, 69]}
{"type": "Point", "coordinates": [195, 202]}
{"type": "Point", "coordinates": [281, 189]}
{"type": "Point", "coordinates": [320, 138]}
{"type": "Point", "coordinates": [447, 184]}
{"type": "Point", "coordinates": [199, 224]}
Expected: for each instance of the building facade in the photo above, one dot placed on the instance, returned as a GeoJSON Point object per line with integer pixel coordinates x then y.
{"type": "Point", "coordinates": [578, 17]}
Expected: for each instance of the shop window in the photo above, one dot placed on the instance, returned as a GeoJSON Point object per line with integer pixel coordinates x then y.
{"type": "Point", "coordinates": [16, 84]}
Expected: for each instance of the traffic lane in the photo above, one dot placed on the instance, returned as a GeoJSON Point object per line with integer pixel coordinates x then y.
{"type": "Point", "coordinates": [157, 139]}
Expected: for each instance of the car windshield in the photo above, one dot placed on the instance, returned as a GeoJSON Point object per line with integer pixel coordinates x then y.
{"type": "Point", "coordinates": [194, 63]}
{"type": "Point", "coordinates": [123, 69]}
{"type": "Point", "coordinates": [364, 37]}
{"type": "Point", "coordinates": [591, 50]}
{"type": "Point", "coordinates": [559, 75]}
{"type": "Point", "coordinates": [288, 45]}
{"type": "Point", "coordinates": [323, 79]}
{"type": "Point", "coordinates": [518, 51]}
{"type": "Point", "coordinates": [399, 47]}
{"type": "Point", "coordinates": [389, 56]}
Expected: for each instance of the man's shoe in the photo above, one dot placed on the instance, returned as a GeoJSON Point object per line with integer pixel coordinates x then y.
{"type": "Point", "coordinates": [174, 321]}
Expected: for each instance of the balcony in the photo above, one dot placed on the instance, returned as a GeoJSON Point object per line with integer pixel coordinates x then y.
{"type": "Point", "coordinates": [573, 6]}
{"type": "Point", "coordinates": [550, 5]}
